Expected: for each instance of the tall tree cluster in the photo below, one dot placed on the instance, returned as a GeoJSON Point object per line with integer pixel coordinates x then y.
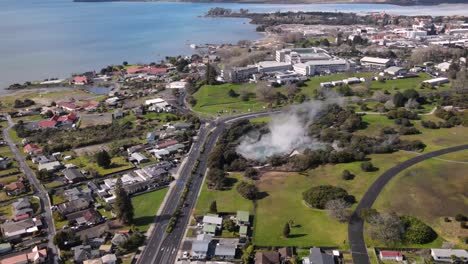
{"type": "Point", "coordinates": [123, 204]}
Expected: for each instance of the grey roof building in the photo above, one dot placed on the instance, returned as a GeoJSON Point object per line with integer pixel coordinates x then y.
{"type": "Point", "coordinates": [73, 175]}
{"type": "Point", "coordinates": [225, 251]}
{"type": "Point", "coordinates": [316, 256]}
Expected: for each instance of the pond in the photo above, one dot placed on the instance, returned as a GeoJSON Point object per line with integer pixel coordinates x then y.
{"type": "Point", "coordinates": [100, 90]}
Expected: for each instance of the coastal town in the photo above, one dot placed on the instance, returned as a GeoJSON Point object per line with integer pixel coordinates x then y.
{"type": "Point", "coordinates": [274, 151]}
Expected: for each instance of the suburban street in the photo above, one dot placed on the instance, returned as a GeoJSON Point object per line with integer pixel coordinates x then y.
{"type": "Point", "coordinates": [356, 224]}
{"type": "Point", "coordinates": [163, 247]}
{"type": "Point", "coordinates": [38, 190]}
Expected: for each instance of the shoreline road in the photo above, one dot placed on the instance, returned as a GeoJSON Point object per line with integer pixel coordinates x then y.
{"type": "Point", "coordinates": [38, 190]}
{"type": "Point", "coordinates": [162, 247]}
{"type": "Point", "coordinates": [356, 224]}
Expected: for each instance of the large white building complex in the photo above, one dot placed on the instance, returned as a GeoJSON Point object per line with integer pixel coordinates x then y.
{"type": "Point", "coordinates": [311, 68]}
{"type": "Point", "coordinates": [301, 55]}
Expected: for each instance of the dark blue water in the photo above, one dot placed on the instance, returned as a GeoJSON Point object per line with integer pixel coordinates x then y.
{"type": "Point", "coordinates": [54, 38]}
{"type": "Point", "coordinates": [100, 90]}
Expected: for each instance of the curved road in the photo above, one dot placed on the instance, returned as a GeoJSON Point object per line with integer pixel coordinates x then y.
{"type": "Point", "coordinates": [356, 224]}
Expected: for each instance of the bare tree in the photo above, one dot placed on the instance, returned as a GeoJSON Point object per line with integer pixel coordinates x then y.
{"type": "Point", "coordinates": [338, 209]}
{"type": "Point", "coordinates": [381, 97]}
{"type": "Point", "coordinates": [291, 89]}
{"type": "Point", "coordinates": [265, 93]}
{"type": "Point", "coordinates": [386, 228]}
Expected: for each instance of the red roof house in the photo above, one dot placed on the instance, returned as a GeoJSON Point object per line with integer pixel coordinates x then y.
{"type": "Point", "coordinates": [167, 143]}
{"type": "Point", "coordinates": [391, 255]}
{"type": "Point", "coordinates": [70, 118]}
{"type": "Point", "coordinates": [47, 123]}
{"type": "Point", "coordinates": [31, 149]}
{"type": "Point", "coordinates": [21, 217]}
{"type": "Point", "coordinates": [80, 80]}
{"type": "Point", "coordinates": [15, 188]}
{"type": "Point", "coordinates": [67, 106]}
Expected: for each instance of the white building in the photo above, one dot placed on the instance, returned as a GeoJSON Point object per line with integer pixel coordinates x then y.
{"type": "Point", "coordinates": [285, 77]}
{"type": "Point", "coordinates": [301, 55]}
{"type": "Point", "coordinates": [154, 101]}
{"type": "Point", "coordinates": [273, 66]}
{"type": "Point", "coordinates": [445, 255]}
{"type": "Point", "coordinates": [311, 68]}
{"type": "Point", "coordinates": [415, 34]}
{"type": "Point", "coordinates": [212, 220]}
{"type": "Point", "coordinates": [443, 67]}
{"type": "Point", "coordinates": [437, 81]}
{"type": "Point", "coordinates": [376, 63]}
{"type": "Point", "coordinates": [176, 85]}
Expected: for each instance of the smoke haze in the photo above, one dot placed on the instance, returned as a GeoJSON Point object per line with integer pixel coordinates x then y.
{"type": "Point", "coordinates": [288, 132]}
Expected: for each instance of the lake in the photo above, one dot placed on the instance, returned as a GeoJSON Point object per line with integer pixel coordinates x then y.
{"type": "Point", "coordinates": [53, 38]}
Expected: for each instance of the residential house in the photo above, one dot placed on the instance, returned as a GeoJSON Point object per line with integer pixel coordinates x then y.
{"type": "Point", "coordinates": [243, 231]}
{"type": "Point", "coordinates": [286, 253]}
{"type": "Point", "coordinates": [166, 143]}
{"type": "Point", "coordinates": [68, 106]}
{"type": "Point", "coordinates": [119, 239]}
{"type": "Point", "coordinates": [50, 166]}
{"type": "Point", "coordinates": [22, 209]}
{"type": "Point", "coordinates": [85, 217]}
{"type": "Point", "coordinates": [182, 126]}
{"type": "Point", "coordinates": [212, 219]}
{"type": "Point", "coordinates": [4, 248]}
{"type": "Point", "coordinates": [201, 246]}
{"type": "Point", "coordinates": [78, 192]}
{"type": "Point", "coordinates": [445, 255]}
{"type": "Point", "coordinates": [390, 255]}
{"type": "Point", "coordinates": [225, 251]}
{"type": "Point", "coordinates": [242, 218]}
{"type": "Point", "coordinates": [15, 188]}
{"type": "Point", "coordinates": [160, 153]}
{"type": "Point", "coordinates": [35, 256]}
{"type": "Point", "coordinates": [267, 257]}
{"type": "Point", "coordinates": [82, 253]}
{"type": "Point", "coordinates": [47, 124]}
{"type": "Point", "coordinates": [80, 80]}
{"type": "Point", "coordinates": [118, 113]}
{"type": "Point", "coordinates": [109, 259]}
{"type": "Point", "coordinates": [5, 164]}
{"type": "Point", "coordinates": [15, 230]}
{"type": "Point", "coordinates": [73, 206]}
{"type": "Point", "coordinates": [316, 256]}
{"type": "Point", "coordinates": [209, 229]}
{"type": "Point", "coordinates": [32, 149]}
{"type": "Point", "coordinates": [138, 157]}
{"type": "Point", "coordinates": [151, 137]}
{"type": "Point", "coordinates": [437, 81]}
{"type": "Point", "coordinates": [73, 175]}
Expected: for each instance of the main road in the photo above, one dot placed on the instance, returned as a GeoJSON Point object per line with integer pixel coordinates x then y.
{"type": "Point", "coordinates": [38, 190]}
{"type": "Point", "coordinates": [356, 224]}
{"type": "Point", "coordinates": [162, 247]}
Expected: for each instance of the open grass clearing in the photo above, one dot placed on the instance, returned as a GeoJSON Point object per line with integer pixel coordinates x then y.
{"type": "Point", "coordinates": [146, 206]}
{"type": "Point", "coordinates": [429, 190]}
{"type": "Point", "coordinates": [215, 99]}
{"type": "Point", "coordinates": [282, 203]}
{"type": "Point", "coordinates": [87, 163]}
{"type": "Point", "coordinates": [227, 201]}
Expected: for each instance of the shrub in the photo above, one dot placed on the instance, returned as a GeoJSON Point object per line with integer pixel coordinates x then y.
{"type": "Point", "coordinates": [367, 166]}
{"type": "Point", "coordinates": [251, 173]}
{"type": "Point", "coordinates": [346, 175]}
{"type": "Point", "coordinates": [318, 196]}
{"type": "Point", "coordinates": [417, 232]}
{"type": "Point", "coordinates": [461, 217]}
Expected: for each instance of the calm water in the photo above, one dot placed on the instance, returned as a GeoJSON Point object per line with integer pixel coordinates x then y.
{"type": "Point", "coordinates": [54, 38]}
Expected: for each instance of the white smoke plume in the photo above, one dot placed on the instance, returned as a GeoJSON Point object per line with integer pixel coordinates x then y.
{"type": "Point", "coordinates": [288, 132]}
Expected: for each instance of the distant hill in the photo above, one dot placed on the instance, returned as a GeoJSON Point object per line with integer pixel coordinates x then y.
{"type": "Point", "coordinates": [396, 2]}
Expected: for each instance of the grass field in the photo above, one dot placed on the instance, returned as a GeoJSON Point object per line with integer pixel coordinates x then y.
{"type": "Point", "coordinates": [227, 201]}
{"type": "Point", "coordinates": [283, 202]}
{"type": "Point", "coordinates": [87, 163]}
{"type": "Point", "coordinates": [430, 191]}
{"type": "Point", "coordinates": [146, 206]}
{"type": "Point", "coordinates": [314, 82]}
{"type": "Point", "coordinates": [215, 99]}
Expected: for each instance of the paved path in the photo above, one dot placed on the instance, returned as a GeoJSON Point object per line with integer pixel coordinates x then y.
{"type": "Point", "coordinates": [356, 224]}
{"type": "Point", "coordinates": [38, 190]}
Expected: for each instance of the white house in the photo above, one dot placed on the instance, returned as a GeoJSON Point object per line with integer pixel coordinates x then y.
{"type": "Point", "coordinates": [445, 255]}
{"type": "Point", "coordinates": [376, 63]}
{"type": "Point", "coordinates": [391, 255]}
{"type": "Point", "coordinates": [212, 220]}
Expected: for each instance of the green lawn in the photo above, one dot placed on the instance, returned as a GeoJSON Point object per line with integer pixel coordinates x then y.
{"type": "Point", "coordinates": [283, 202]}
{"type": "Point", "coordinates": [215, 99]}
{"type": "Point", "coordinates": [227, 201]}
{"type": "Point", "coordinates": [146, 206]}
{"type": "Point", "coordinates": [265, 119]}
{"type": "Point", "coordinates": [401, 84]}
{"type": "Point", "coordinates": [14, 136]}
{"type": "Point", "coordinates": [87, 163]}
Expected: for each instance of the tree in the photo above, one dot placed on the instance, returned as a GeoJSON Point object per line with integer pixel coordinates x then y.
{"type": "Point", "coordinates": [124, 63]}
{"type": "Point", "coordinates": [286, 230]}
{"type": "Point", "coordinates": [210, 75]}
{"type": "Point", "coordinates": [319, 196]}
{"type": "Point", "coordinates": [58, 216]}
{"type": "Point", "coordinates": [367, 214]}
{"type": "Point", "coordinates": [64, 239]}
{"type": "Point", "coordinates": [461, 217]}
{"type": "Point", "coordinates": [248, 191]}
{"type": "Point", "coordinates": [399, 99]}
{"type": "Point", "coordinates": [123, 204]}
{"type": "Point", "coordinates": [347, 175]}
{"type": "Point", "coordinates": [229, 225]}
{"type": "Point", "coordinates": [386, 228]}
{"type": "Point", "coordinates": [265, 93]}
{"type": "Point", "coordinates": [213, 207]}
{"type": "Point", "coordinates": [103, 159]}
{"type": "Point", "coordinates": [247, 254]}
{"type": "Point", "coordinates": [251, 173]}
{"type": "Point", "coordinates": [367, 166]}
{"type": "Point", "coordinates": [232, 93]}
{"type": "Point", "coordinates": [216, 179]}
{"type": "Point", "coordinates": [338, 209]}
